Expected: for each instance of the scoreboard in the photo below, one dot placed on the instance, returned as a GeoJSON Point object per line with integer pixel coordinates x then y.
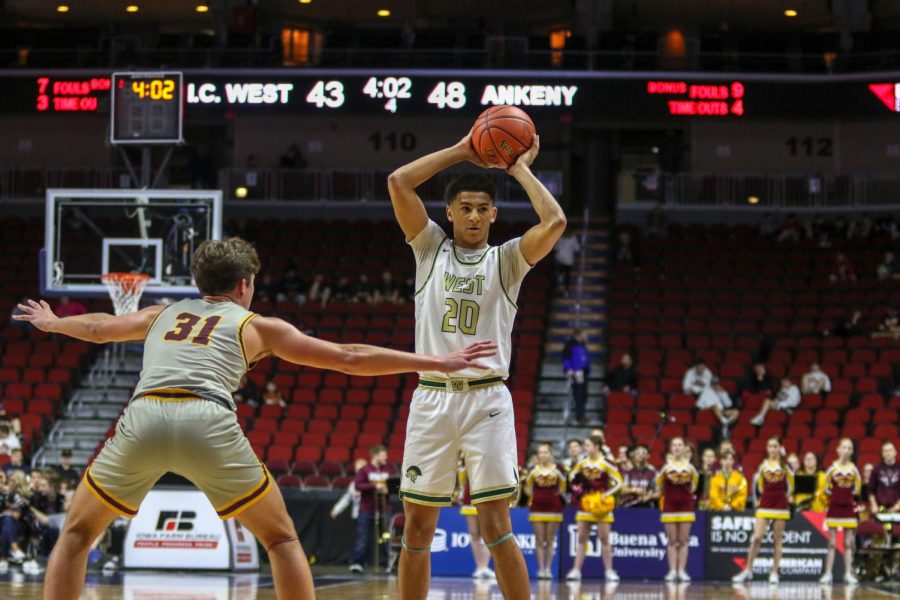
{"type": "Point", "coordinates": [157, 99]}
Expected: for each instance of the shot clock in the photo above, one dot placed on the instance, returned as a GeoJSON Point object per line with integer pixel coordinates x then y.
{"type": "Point", "coordinates": [147, 108]}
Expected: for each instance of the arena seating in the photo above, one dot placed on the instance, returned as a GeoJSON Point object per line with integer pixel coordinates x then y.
{"type": "Point", "coordinates": [730, 297]}
{"type": "Point", "coordinates": [38, 370]}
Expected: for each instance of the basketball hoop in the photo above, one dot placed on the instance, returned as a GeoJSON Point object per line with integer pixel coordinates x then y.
{"type": "Point", "coordinates": [125, 289]}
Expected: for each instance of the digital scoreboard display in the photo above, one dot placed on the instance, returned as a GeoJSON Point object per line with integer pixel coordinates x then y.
{"type": "Point", "coordinates": [146, 108]}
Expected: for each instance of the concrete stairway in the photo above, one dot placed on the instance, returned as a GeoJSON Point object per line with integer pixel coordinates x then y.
{"type": "Point", "coordinates": [552, 420]}
{"type": "Point", "coordinates": [94, 407]}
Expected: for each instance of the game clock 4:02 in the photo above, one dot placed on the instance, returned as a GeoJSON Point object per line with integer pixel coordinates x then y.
{"type": "Point", "coordinates": [147, 108]}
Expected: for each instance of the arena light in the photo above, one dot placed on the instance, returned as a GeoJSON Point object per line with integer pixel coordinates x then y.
{"type": "Point", "coordinates": [305, 1]}
{"type": "Point", "coordinates": [241, 192]}
{"type": "Point", "coordinates": [383, 12]}
{"type": "Point", "coordinates": [132, 8]}
{"type": "Point", "coordinates": [791, 13]}
{"type": "Point", "coordinates": [62, 8]}
{"type": "Point", "coordinates": [753, 200]}
{"type": "Point", "coordinates": [203, 7]}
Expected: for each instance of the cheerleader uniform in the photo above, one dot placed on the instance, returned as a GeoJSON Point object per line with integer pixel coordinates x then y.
{"type": "Point", "coordinates": [775, 484]}
{"type": "Point", "coordinates": [466, 509]}
{"type": "Point", "coordinates": [678, 484]}
{"type": "Point", "coordinates": [545, 487]}
{"type": "Point", "coordinates": [592, 475]}
{"type": "Point", "coordinates": [842, 485]}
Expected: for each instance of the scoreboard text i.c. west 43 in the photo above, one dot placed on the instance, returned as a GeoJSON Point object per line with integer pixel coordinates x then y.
{"type": "Point", "coordinates": [619, 95]}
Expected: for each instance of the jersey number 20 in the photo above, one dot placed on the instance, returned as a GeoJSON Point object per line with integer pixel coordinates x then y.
{"type": "Point", "coordinates": [462, 315]}
{"type": "Point", "coordinates": [184, 327]}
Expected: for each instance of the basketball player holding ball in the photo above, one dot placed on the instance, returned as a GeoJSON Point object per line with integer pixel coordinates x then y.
{"type": "Point", "coordinates": [466, 290]}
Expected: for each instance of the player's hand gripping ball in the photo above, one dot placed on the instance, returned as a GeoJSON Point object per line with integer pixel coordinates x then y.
{"type": "Point", "coordinates": [501, 134]}
{"type": "Point", "coordinates": [598, 505]}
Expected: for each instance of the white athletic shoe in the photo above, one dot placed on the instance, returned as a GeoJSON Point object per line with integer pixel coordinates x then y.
{"type": "Point", "coordinates": [574, 575]}
{"type": "Point", "coordinates": [612, 576]}
{"type": "Point", "coordinates": [4, 566]}
{"type": "Point", "coordinates": [31, 567]}
{"type": "Point", "coordinates": [671, 576]}
{"type": "Point", "coordinates": [488, 573]}
{"type": "Point", "coordinates": [545, 574]}
{"type": "Point", "coordinates": [850, 578]}
{"type": "Point", "coordinates": [356, 568]}
{"type": "Point", "coordinates": [743, 577]}
{"type": "Point", "coordinates": [826, 579]}
{"type": "Point", "coordinates": [683, 576]}
{"type": "Point", "coordinates": [16, 556]}
{"type": "Point", "coordinates": [773, 578]}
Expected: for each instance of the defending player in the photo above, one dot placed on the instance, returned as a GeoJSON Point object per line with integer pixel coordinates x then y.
{"type": "Point", "coordinates": [465, 290]}
{"type": "Point", "coordinates": [182, 419]}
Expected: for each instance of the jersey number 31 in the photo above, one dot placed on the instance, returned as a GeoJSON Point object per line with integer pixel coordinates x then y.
{"type": "Point", "coordinates": [184, 327]}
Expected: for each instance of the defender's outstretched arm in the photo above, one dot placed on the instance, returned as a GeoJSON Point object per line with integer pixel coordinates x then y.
{"type": "Point", "coordinates": [271, 336]}
{"type": "Point", "coordinates": [99, 328]}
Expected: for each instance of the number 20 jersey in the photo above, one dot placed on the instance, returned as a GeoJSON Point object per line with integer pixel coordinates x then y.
{"type": "Point", "coordinates": [196, 347]}
{"type": "Point", "coordinates": [466, 296]}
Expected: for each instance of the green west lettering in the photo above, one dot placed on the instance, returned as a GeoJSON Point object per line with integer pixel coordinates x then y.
{"type": "Point", "coordinates": [463, 285]}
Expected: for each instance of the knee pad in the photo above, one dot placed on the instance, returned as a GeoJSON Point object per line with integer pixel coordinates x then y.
{"type": "Point", "coordinates": [499, 540]}
{"type": "Point", "coordinates": [412, 549]}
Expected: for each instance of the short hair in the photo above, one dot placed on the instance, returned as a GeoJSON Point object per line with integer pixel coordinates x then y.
{"type": "Point", "coordinates": [377, 449]}
{"type": "Point", "coordinates": [218, 265]}
{"type": "Point", "coordinates": [470, 182]}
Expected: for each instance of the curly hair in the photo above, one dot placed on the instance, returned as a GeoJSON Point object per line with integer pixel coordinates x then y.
{"type": "Point", "coordinates": [218, 265]}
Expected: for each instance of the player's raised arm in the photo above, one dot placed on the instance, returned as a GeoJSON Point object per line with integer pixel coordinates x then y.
{"type": "Point", "coordinates": [273, 336]}
{"type": "Point", "coordinates": [402, 183]}
{"type": "Point", "coordinates": [99, 328]}
{"type": "Point", "coordinates": [540, 239]}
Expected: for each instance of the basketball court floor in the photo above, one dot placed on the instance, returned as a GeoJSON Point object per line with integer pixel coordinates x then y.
{"type": "Point", "coordinates": [212, 586]}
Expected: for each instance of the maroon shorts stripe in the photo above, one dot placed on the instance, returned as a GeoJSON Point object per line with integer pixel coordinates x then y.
{"type": "Point", "coordinates": [118, 505]}
{"type": "Point", "coordinates": [256, 493]}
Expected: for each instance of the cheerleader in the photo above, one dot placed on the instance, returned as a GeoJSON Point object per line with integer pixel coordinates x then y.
{"type": "Point", "coordinates": [775, 484]}
{"type": "Point", "coordinates": [677, 481]}
{"type": "Point", "coordinates": [544, 486]}
{"type": "Point", "coordinates": [480, 552]}
{"type": "Point", "coordinates": [842, 485]}
{"type": "Point", "coordinates": [594, 474]}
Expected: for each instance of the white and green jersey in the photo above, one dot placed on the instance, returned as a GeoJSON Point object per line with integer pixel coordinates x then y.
{"type": "Point", "coordinates": [466, 296]}
{"type": "Point", "coordinates": [195, 347]}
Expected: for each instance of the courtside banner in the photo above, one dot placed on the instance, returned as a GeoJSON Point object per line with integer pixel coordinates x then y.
{"type": "Point", "coordinates": [638, 543]}
{"type": "Point", "coordinates": [805, 547]}
{"type": "Point", "coordinates": [451, 552]}
{"type": "Point", "coordinates": [177, 529]}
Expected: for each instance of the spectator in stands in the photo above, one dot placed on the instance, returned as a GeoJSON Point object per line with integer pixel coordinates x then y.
{"type": "Point", "coordinates": [886, 227]}
{"type": "Point", "coordinates": [14, 423]}
{"type": "Point", "coordinates": [715, 398]}
{"type": "Point", "coordinates": [791, 229]}
{"type": "Point", "coordinates": [890, 325]}
{"type": "Point", "coordinates": [656, 220]}
{"type": "Point", "coordinates": [696, 379]}
{"type": "Point", "coordinates": [69, 308]}
{"type": "Point", "coordinates": [273, 396]}
{"type": "Point", "coordinates": [293, 158]}
{"type": "Point", "coordinates": [343, 290]}
{"type": "Point", "coordinates": [623, 459]}
{"type": "Point", "coordinates": [365, 290]}
{"type": "Point", "coordinates": [566, 249]}
{"type": "Point", "coordinates": [319, 290]}
{"type": "Point", "coordinates": [728, 487]}
{"type": "Point", "coordinates": [884, 486]}
{"type": "Point", "coordinates": [388, 291]}
{"type": "Point", "coordinates": [293, 287]}
{"type": "Point", "coordinates": [793, 461]}
{"type": "Point", "coordinates": [249, 390]}
{"type": "Point", "coordinates": [351, 496]}
{"type": "Point", "coordinates": [624, 377]}
{"type": "Point", "coordinates": [708, 461]}
{"type": "Point", "coordinates": [574, 453]}
{"type": "Point", "coordinates": [45, 501]}
{"type": "Point", "coordinates": [16, 463]}
{"type": "Point", "coordinates": [12, 525]}
{"type": "Point", "coordinates": [268, 289]}
{"type": "Point", "coordinates": [605, 450]}
{"type": "Point", "coordinates": [842, 270]}
{"type": "Point", "coordinates": [639, 485]}
{"type": "Point", "coordinates": [371, 483]}
{"type": "Point", "coordinates": [758, 381]}
{"type": "Point", "coordinates": [860, 228]}
{"type": "Point", "coordinates": [9, 441]}
{"type": "Point", "coordinates": [848, 326]}
{"type": "Point", "coordinates": [726, 445]}
{"type": "Point", "coordinates": [65, 471]}
{"type": "Point", "coordinates": [577, 366]}
{"type": "Point", "coordinates": [787, 399]}
{"type": "Point", "coordinates": [810, 468]}
{"type": "Point", "coordinates": [887, 268]}
{"type": "Point", "coordinates": [816, 381]}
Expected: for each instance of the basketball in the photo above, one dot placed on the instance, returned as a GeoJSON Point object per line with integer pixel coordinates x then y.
{"type": "Point", "coordinates": [502, 134]}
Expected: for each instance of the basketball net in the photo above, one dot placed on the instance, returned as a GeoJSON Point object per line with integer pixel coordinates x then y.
{"type": "Point", "coordinates": [125, 289]}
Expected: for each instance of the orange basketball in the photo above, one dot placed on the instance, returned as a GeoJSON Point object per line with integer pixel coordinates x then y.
{"type": "Point", "coordinates": [501, 134]}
